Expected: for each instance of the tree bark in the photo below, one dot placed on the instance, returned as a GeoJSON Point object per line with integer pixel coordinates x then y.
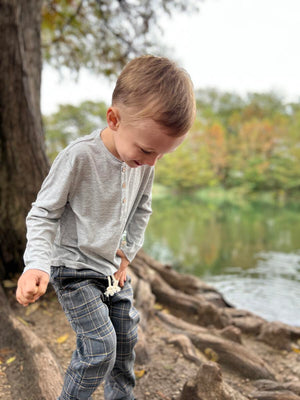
{"type": "Point", "coordinates": [209, 385]}
{"type": "Point", "coordinates": [247, 363]}
{"type": "Point", "coordinates": [204, 327]}
{"type": "Point", "coordinates": [43, 374]}
{"type": "Point", "coordinates": [23, 162]}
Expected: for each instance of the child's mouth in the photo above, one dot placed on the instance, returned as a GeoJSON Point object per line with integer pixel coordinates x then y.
{"type": "Point", "coordinates": [137, 163]}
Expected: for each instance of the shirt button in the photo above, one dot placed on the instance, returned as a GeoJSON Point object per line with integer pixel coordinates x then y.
{"type": "Point", "coordinates": [124, 200]}
{"type": "Point", "coordinates": [123, 169]}
{"type": "Point", "coordinates": [124, 185]}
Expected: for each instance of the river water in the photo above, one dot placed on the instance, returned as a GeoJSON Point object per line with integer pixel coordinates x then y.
{"type": "Point", "coordinates": [250, 253]}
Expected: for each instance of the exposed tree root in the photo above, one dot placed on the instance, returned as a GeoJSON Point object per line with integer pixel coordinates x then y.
{"type": "Point", "coordinates": [209, 385]}
{"type": "Point", "coordinates": [204, 326]}
{"type": "Point", "coordinates": [234, 350]}
{"type": "Point", "coordinates": [226, 352]}
{"type": "Point", "coordinates": [42, 372]}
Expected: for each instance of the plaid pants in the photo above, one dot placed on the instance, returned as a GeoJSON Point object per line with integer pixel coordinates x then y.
{"type": "Point", "coordinates": [106, 333]}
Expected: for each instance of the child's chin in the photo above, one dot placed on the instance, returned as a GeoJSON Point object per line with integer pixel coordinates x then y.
{"type": "Point", "coordinates": [131, 164]}
{"type": "Point", "coordinates": [135, 164]}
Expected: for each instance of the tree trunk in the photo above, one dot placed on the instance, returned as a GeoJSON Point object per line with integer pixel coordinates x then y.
{"type": "Point", "coordinates": [23, 162]}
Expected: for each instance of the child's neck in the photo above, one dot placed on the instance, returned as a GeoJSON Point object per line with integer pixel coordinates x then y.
{"type": "Point", "coordinates": [107, 137]}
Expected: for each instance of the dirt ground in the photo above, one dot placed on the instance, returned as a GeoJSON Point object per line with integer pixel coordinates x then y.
{"type": "Point", "coordinates": [161, 379]}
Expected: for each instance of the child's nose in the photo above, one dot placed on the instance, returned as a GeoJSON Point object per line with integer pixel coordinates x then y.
{"type": "Point", "coordinates": [151, 159]}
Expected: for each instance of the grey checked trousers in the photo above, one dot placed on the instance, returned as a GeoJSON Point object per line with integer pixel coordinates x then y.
{"type": "Point", "coordinates": [106, 333]}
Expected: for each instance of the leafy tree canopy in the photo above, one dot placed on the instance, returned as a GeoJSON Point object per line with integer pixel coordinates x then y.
{"type": "Point", "coordinates": [250, 142]}
{"type": "Point", "coordinates": [70, 122]}
{"type": "Point", "coordinates": [102, 35]}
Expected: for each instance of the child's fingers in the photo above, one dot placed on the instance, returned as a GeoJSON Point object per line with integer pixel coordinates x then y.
{"type": "Point", "coordinates": [31, 286]}
{"type": "Point", "coordinates": [24, 298]}
{"type": "Point", "coordinates": [121, 277]}
{"type": "Point", "coordinates": [42, 286]}
{"type": "Point", "coordinates": [26, 292]}
{"type": "Point", "coordinates": [122, 280]}
{"type": "Point", "coordinates": [30, 289]}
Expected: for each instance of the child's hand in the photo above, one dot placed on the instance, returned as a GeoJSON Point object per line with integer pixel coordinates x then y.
{"type": "Point", "coordinates": [120, 275]}
{"type": "Point", "coordinates": [31, 286]}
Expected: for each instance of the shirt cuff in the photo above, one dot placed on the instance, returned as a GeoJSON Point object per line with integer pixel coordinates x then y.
{"type": "Point", "coordinates": [46, 269]}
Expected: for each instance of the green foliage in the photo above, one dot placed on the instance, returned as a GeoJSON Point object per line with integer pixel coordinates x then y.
{"type": "Point", "coordinates": [103, 35]}
{"type": "Point", "coordinates": [70, 122]}
{"type": "Point", "coordinates": [251, 143]}
{"type": "Point", "coordinates": [188, 168]}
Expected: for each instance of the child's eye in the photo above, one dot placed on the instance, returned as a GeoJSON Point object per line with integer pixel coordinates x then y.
{"type": "Point", "coordinates": [145, 151]}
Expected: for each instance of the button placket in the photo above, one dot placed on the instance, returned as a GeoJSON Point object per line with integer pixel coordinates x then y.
{"type": "Point", "coordinates": [123, 191]}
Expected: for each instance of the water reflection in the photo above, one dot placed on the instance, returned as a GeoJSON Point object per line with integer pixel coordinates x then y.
{"type": "Point", "coordinates": [251, 254]}
{"type": "Point", "coordinates": [270, 289]}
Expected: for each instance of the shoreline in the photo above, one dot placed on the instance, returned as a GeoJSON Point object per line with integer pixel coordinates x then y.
{"type": "Point", "coordinates": [188, 335]}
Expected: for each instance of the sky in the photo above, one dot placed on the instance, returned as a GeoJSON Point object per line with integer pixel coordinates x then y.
{"type": "Point", "coordinates": [232, 45]}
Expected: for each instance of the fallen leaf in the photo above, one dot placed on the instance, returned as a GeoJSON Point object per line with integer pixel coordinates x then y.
{"type": "Point", "coordinates": [50, 314]}
{"type": "Point", "coordinates": [158, 306]}
{"type": "Point", "coordinates": [211, 354]}
{"type": "Point", "coordinates": [168, 367]}
{"type": "Point", "coordinates": [8, 284]}
{"type": "Point", "coordinates": [5, 350]}
{"type": "Point", "coordinates": [62, 338]}
{"type": "Point", "coordinates": [32, 308]}
{"type": "Point", "coordinates": [162, 395]}
{"type": "Point", "coordinates": [23, 321]}
{"type": "Point", "coordinates": [10, 360]}
{"type": "Point", "coordinates": [139, 374]}
{"type": "Point", "coordinates": [296, 349]}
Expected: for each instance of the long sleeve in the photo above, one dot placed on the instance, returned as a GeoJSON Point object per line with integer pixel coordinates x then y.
{"type": "Point", "coordinates": [138, 222]}
{"type": "Point", "coordinates": [42, 220]}
{"type": "Point", "coordinates": [84, 206]}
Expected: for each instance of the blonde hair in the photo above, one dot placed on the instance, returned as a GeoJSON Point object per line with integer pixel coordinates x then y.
{"type": "Point", "coordinates": [155, 87]}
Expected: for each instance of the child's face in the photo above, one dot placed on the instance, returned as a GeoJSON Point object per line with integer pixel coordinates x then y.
{"type": "Point", "coordinates": [143, 143]}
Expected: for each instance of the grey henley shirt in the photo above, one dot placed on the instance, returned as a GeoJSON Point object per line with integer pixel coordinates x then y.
{"type": "Point", "coordinates": [90, 205]}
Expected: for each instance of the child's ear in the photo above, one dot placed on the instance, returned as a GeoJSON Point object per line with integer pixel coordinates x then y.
{"type": "Point", "coordinates": [113, 118]}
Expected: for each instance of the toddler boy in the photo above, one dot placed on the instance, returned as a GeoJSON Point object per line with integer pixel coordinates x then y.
{"type": "Point", "coordinates": [89, 219]}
